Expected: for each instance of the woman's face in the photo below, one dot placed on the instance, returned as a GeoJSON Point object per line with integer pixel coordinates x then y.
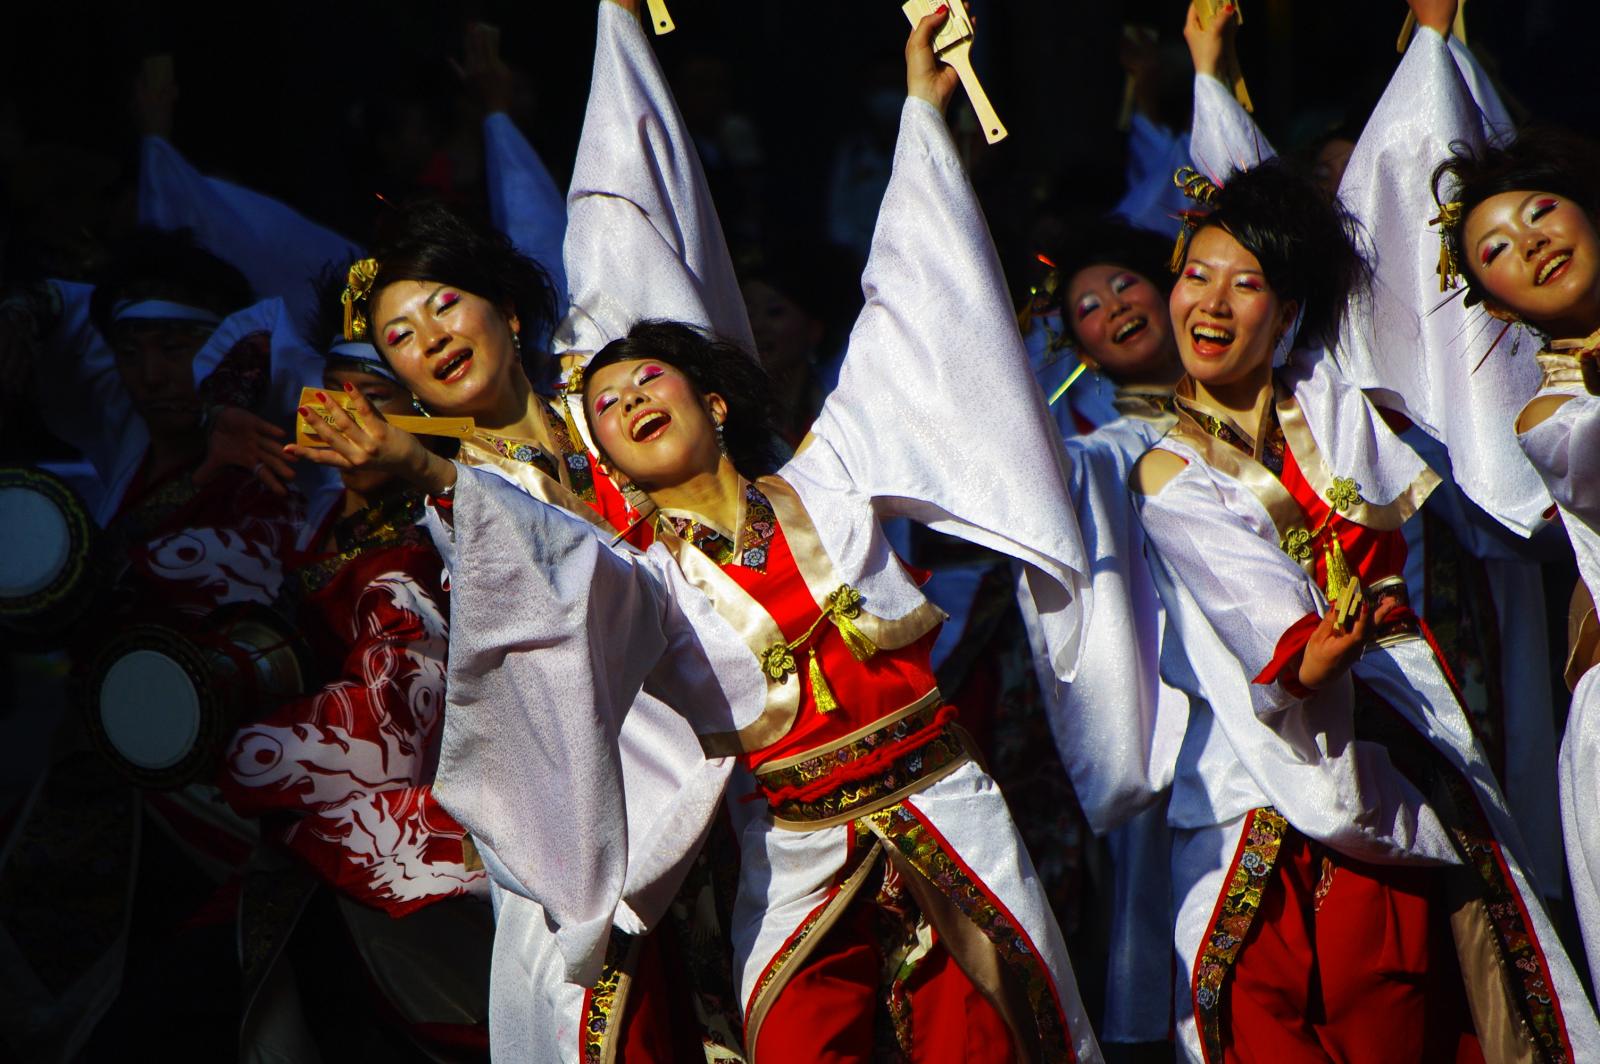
{"type": "Point", "coordinates": [1120, 321]}
{"type": "Point", "coordinates": [651, 423]}
{"type": "Point", "coordinates": [386, 396]}
{"type": "Point", "coordinates": [453, 349]}
{"type": "Point", "coordinates": [1226, 316]}
{"type": "Point", "coordinates": [1537, 256]}
{"type": "Point", "coordinates": [156, 363]}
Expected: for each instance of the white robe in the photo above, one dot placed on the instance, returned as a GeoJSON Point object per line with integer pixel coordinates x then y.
{"type": "Point", "coordinates": [539, 730]}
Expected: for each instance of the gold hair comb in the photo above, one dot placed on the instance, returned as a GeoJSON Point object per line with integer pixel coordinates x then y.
{"type": "Point", "coordinates": [357, 287]}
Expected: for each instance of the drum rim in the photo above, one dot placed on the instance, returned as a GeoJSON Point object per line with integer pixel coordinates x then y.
{"type": "Point", "coordinates": [192, 660]}
{"type": "Point", "coordinates": [79, 529]}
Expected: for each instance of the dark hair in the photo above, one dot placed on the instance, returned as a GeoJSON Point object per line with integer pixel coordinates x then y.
{"type": "Point", "coordinates": [427, 241]}
{"type": "Point", "coordinates": [1543, 160]}
{"type": "Point", "coordinates": [1307, 245]}
{"type": "Point", "coordinates": [1109, 242]}
{"type": "Point", "coordinates": [822, 279]}
{"type": "Point", "coordinates": [712, 365]}
{"type": "Point", "coordinates": [167, 265]}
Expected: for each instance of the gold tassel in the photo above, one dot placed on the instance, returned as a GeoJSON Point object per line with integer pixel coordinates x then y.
{"type": "Point", "coordinates": [842, 607]}
{"type": "Point", "coordinates": [1338, 568]}
{"type": "Point", "coordinates": [821, 693]}
{"type": "Point", "coordinates": [1448, 219]}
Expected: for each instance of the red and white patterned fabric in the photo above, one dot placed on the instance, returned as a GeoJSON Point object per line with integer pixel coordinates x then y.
{"type": "Point", "coordinates": [343, 774]}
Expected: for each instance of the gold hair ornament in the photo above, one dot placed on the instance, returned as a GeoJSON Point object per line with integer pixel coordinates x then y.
{"type": "Point", "coordinates": [357, 287]}
{"type": "Point", "coordinates": [1448, 220]}
{"type": "Point", "coordinates": [1202, 190]}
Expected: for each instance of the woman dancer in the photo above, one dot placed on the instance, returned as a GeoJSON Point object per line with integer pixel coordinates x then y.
{"type": "Point", "coordinates": [1322, 813]}
{"type": "Point", "coordinates": [1522, 225]}
{"type": "Point", "coordinates": [884, 874]}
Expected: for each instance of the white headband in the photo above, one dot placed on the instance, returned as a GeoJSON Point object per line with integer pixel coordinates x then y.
{"type": "Point", "coordinates": [161, 310]}
{"type": "Point", "coordinates": [364, 354]}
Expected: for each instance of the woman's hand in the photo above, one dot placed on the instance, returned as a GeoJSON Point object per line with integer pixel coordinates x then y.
{"type": "Point", "coordinates": [1331, 650]}
{"type": "Point", "coordinates": [240, 438]}
{"type": "Point", "coordinates": [926, 77]}
{"type": "Point", "coordinates": [484, 71]}
{"type": "Point", "coordinates": [368, 442]}
{"type": "Point", "coordinates": [1206, 44]}
{"type": "Point", "coordinates": [1437, 15]}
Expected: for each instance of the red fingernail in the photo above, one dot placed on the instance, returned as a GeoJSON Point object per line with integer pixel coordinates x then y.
{"type": "Point", "coordinates": [942, 9]}
{"type": "Point", "coordinates": [305, 411]}
{"type": "Point", "coordinates": [323, 397]}
{"type": "Point", "coordinates": [349, 387]}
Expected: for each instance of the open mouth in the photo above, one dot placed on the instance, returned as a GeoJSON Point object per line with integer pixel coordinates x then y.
{"type": "Point", "coordinates": [1129, 329]}
{"type": "Point", "coordinates": [1210, 341]}
{"type": "Point", "coordinates": [1552, 267]}
{"type": "Point", "coordinates": [455, 367]}
{"type": "Point", "coordinates": [649, 424]}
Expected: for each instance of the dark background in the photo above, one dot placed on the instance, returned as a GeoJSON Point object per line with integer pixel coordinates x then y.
{"type": "Point", "coordinates": [325, 104]}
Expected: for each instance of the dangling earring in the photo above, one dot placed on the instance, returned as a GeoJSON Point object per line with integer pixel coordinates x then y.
{"type": "Point", "coordinates": [722, 444]}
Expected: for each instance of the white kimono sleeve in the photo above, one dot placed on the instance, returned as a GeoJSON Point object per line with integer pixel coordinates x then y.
{"type": "Point", "coordinates": [643, 239]}
{"type": "Point", "coordinates": [278, 249]}
{"type": "Point", "coordinates": [1232, 594]}
{"type": "Point", "coordinates": [1223, 137]}
{"type": "Point", "coordinates": [1155, 153]}
{"type": "Point", "coordinates": [553, 638]}
{"type": "Point", "coordinates": [1421, 351]}
{"type": "Point", "coordinates": [1117, 726]}
{"type": "Point", "coordinates": [1565, 448]}
{"type": "Point", "coordinates": [524, 202]}
{"type": "Point", "coordinates": [937, 417]}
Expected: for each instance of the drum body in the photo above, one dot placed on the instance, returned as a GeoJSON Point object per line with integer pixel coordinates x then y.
{"type": "Point", "coordinates": [46, 537]}
{"type": "Point", "coordinates": [162, 700]}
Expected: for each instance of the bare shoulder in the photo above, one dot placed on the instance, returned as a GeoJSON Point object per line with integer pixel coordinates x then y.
{"type": "Point", "coordinates": [1540, 410]}
{"type": "Point", "coordinates": [1154, 470]}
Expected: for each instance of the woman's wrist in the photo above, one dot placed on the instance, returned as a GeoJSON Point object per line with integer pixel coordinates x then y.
{"type": "Point", "coordinates": [435, 475]}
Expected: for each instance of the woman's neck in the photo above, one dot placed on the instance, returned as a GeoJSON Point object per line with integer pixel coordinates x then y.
{"type": "Point", "coordinates": [1244, 400]}
{"type": "Point", "coordinates": [714, 495]}
{"type": "Point", "coordinates": [519, 413]}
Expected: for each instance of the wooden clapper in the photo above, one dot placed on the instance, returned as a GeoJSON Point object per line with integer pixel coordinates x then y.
{"type": "Point", "coordinates": [660, 20]}
{"type": "Point", "coordinates": [1457, 30]}
{"type": "Point", "coordinates": [458, 427]}
{"type": "Point", "coordinates": [953, 44]}
{"type": "Point", "coordinates": [1229, 73]}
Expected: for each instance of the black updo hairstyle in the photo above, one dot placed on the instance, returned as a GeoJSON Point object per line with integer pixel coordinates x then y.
{"type": "Point", "coordinates": [427, 241]}
{"type": "Point", "coordinates": [1539, 160]}
{"type": "Point", "coordinates": [166, 265]}
{"type": "Point", "coordinates": [1307, 245]}
{"type": "Point", "coordinates": [712, 365]}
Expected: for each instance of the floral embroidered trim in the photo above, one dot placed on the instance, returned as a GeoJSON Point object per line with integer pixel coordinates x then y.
{"type": "Point", "coordinates": [780, 961]}
{"type": "Point", "coordinates": [600, 1001]}
{"type": "Point", "coordinates": [922, 849]}
{"type": "Point", "coordinates": [929, 744]}
{"type": "Point", "coordinates": [1236, 912]}
{"type": "Point", "coordinates": [241, 378]}
{"type": "Point", "coordinates": [755, 537]}
{"type": "Point", "coordinates": [521, 451]}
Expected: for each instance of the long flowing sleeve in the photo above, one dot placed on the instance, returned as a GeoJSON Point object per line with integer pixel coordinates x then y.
{"type": "Point", "coordinates": [1117, 726]}
{"type": "Point", "coordinates": [1418, 350]}
{"type": "Point", "coordinates": [1223, 137]}
{"type": "Point", "coordinates": [1565, 448]}
{"type": "Point", "coordinates": [643, 239]}
{"type": "Point", "coordinates": [1232, 594]}
{"type": "Point", "coordinates": [524, 201]}
{"type": "Point", "coordinates": [936, 416]}
{"type": "Point", "coordinates": [1498, 126]}
{"type": "Point", "coordinates": [555, 636]}
{"type": "Point", "coordinates": [278, 249]}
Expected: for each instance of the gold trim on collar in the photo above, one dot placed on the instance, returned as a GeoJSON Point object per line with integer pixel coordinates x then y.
{"type": "Point", "coordinates": [533, 480]}
{"type": "Point", "coordinates": [1186, 399]}
{"type": "Point", "coordinates": [1560, 369]}
{"type": "Point", "coordinates": [1145, 403]}
{"type": "Point", "coordinates": [756, 628]}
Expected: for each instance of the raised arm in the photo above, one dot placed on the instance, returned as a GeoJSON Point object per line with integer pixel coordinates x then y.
{"type": "Point", "coordinates": [1222, 137]}
{"type": "Point", "coordinates": [936, 415]}
{"type": "Point", "coordinates": [1423, 351]}
{"type": "Point", "coordinates": [643, 239]}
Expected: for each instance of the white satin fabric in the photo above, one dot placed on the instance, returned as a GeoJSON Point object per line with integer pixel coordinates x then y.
{"type": "Point", "coordinates": [1563, 448]}
{"type": "Point", "coordinates": [538, 731]}
{"type": "Point", "coordinates": [1231, 592]}
{"type": "Point", "coordinates": [1418, 350]}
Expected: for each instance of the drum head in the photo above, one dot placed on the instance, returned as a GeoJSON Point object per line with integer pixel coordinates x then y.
{"type": "Point", "coordinates": [150, 710]}
{"type": "Point", "coordinates": [35, 542]}
{"type": "Point", "coordinates": [153, 706]}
